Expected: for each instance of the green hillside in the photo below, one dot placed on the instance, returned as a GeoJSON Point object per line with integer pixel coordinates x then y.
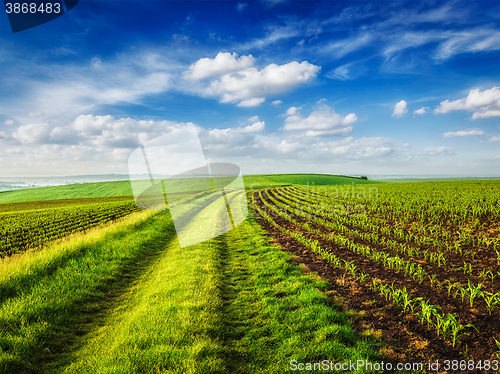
{"type": "Point", "coordinates": [267, 180]}
{"type": "Point", "coordinates": [71, 191]}
{"type": "Point", "coordinates": [122, 188]}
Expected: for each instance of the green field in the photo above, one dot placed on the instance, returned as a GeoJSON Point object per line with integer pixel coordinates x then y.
{"type": "Point", "coordinates": [126, 298]}
{"type": "Point", "coordinates": [122, 188]}
{"type": "Point", "coordinates": [99, 286]}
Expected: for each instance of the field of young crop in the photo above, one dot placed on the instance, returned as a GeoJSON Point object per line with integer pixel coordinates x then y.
{"type": "Point", "coordinates": [124, 297]}
{"type": "Point", "coordinates": [30, 224]}
{"type": "Point", "coordinates": [407, 272]}
{"type": "Point", "coordinates": [421, 261]}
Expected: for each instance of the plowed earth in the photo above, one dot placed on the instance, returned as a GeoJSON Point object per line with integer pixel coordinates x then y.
{"type": "Point", "coordinates": [405, 338]}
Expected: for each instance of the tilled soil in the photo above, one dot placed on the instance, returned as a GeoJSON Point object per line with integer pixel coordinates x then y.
{"type": "Point", "coordinates": [404, 337]}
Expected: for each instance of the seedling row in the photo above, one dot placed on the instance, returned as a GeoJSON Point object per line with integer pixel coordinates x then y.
{"type": "Point", "coordinates": [461, 310]}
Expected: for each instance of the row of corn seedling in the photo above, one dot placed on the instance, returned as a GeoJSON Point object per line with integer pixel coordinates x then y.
{"type": "Point", "coordinates": [447, 327]}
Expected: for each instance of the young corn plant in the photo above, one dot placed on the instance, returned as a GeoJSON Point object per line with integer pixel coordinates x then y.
{"type": "Point", "coordinates": [467, 268]}
{"type": "Point", "coordinates": [432, 279]}
{"type": "Point", "coordinates": [419, 274]}
{"type": "Point", "coordinates": [362, 277]}
{"type": "Point", "coordinates": [456, 328]}
{"type": "Point", "coordinates": [491, 300]}
{"type": "Point", "coordinates": [426, 313]}
{"type": "Point", "coordinates": [441, 324]}
{"type": "Point", "coordinates": [472, 292]}
{"type": "Point", "coordinates": [498, 346]}
{"type": "Point", "coordinates": [451, 285]}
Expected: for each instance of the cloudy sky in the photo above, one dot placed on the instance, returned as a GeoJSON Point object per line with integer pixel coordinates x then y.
{"type": "Point", "coordinates": [355, 88]}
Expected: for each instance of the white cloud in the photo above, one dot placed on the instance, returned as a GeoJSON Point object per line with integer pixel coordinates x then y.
{"type": "Point", "coordinates": [32, 133]}
{"type": "Point", "coordinates": [180, 37]}
{"type": "Point", "coordinates": [253, 119]}
{"type": "Point", "coordinates": [255, 101]}
{"type": "Point", "coordinates": [256, 127]}
{"type": "Point", "coordinates": [483, 104]}
{"type": "Point", "coordinates": [37, 113]}
{"type": "Point", "coordinates": [253, 83]}
{"type": "Point", "coordinates": [96, 62]}
{"type": "Point", "coordinates": [273, 35]}
{"type": "Point", "coordinates": [223, 63]}
{"type": "Point", "coordinates": [400, 109]}
{"type": "Point", "coordinates": [106, 131]}
{"type": "Point", "coordinates": [486, 114]}
{"type": "Point", "coordinates": [341, 73]}
{"type": "Point", "coordinates": [437, 151]}
{"type": "Point", "coordinates": [81, 90]}
{"type": "Point", "coordinates": [421, 111]}
{"type": "Point", "coordinates": [291, 111]}
{"type": "Point", "coordinates": [239, 81]}
{"type": "Point", "coordinates": [342, 48]}
{"type": "Point", "coordinates": [241, 6]}
{"type": "Point", "coordinates": [494, 139]}
{"type": "Point", "coordinates": [277, 102]}
{"type": "Point", "coordinates": [8, 122]}
{"type": "Point", "coordinates": [322, 122]}
{"type": "Point", "coordinates": [469, 41]}
{"type": "Point", "coordinates": [470, 132]}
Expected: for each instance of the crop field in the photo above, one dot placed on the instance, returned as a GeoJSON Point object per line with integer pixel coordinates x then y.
{"type": "Point", "coordinates": [420, 261]}
{"type": "Point", "coordinates": [323, 268]}
{"type": "Point", "coordinates": [30, 224]}
{"type": "Point", "coordinates": [117, 294]}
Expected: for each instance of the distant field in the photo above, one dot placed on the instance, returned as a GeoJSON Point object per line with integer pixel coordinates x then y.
{"type": "Point", "coordinates": [72, 191]}
{"type": "Point", "coordinates": [122, 188]}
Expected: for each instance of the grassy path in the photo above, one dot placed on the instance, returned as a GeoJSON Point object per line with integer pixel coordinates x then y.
{"type": "Point", "coordinates": [128, 299]}
{"type": "Point", "coordinates": [53, 297]}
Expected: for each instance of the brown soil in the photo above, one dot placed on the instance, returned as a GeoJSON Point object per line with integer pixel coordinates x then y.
{"type": "Point", "coordinates": [405, 338]}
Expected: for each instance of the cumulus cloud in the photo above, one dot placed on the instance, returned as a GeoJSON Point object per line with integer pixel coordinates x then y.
{"type": "Point", "coordinates": [277, 102]}
{"type": "Point", "coordinates": [253, 119]}
{"type": "Point", "coordinates": [421, 111]}
{"type": "Point", "coordinates": [483, 104]}
{"type": "Point", "coordinates": [32, 134]}
{"type": "Point", "coordinates": [256, 127]}
{"type": "Point", "coordinates": [256, 101]}
{"type": "Point", "coordinates": [128, 133]}
{"type": "Point", "coordinates": [322, 122]}
{"type": "Point", "coordinates": [494, 139]}
{"type": "Point", "coordinates": [223, 63]}
{"type": "Point", "coordinates": [400, 109]}
{"type": "Point", "coordinates": [239, 81]}
{"type": "Point", "coordinates": [8, 122]}
{"type": "Point", "coordinates": [470, 132]}
{"type": "Point", "coordinates": [292, 110]}
{"type": "Point", "coordinates": [254, 83]}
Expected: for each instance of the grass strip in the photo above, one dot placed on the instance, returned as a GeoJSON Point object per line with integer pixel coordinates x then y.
{"type": "Point", "coordinates": [58, 294]}
{"type": "Point", "coordinates": [234, 304]}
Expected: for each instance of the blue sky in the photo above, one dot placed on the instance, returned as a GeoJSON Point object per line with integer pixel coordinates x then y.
{"type": "Point", "coordinates": [356, 88]}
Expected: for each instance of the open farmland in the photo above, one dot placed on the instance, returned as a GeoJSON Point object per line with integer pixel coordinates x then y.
{"type": "Point", "coordinates": [123, 297]}
{"type": "Point", "coordinates": [25, 225]}
{"type": "Point", "coordinates": [407, 273]}
{"type": "Point", "coordinates": [421, 261]}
